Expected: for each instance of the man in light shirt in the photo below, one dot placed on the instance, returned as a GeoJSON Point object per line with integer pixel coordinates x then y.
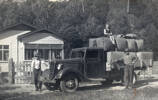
{"type": "Point", "coordinates": [107, 30]}
{"type": "Point", "coordinates": [129, 61]}
{"type": "Point", "coordinates": [108, 33]}
{"type": "Point", "coordinates": [36, 65]}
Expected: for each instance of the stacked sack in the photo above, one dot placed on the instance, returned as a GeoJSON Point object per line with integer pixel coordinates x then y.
{"type": "Point", "coordinates": [140, 44]}
{"type": "Point", "coordinates": [122, 44]}
{"type": "Point", "coordinates": [133, 45]}
{"type": "Point", "coordinates": [103, 42]}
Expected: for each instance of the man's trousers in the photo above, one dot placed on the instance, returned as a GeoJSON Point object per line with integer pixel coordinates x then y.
{"type": "Point", "coordinates": [128, 75]}
{"type": "Point", "coordinates": [37, 82]}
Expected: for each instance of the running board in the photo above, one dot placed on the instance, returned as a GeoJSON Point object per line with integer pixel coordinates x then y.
{"type": "Point", "coordinates": [97, 79]}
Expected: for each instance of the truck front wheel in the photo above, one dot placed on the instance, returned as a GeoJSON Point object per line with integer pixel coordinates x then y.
{"type": "Point", "coordinates": [69, 83]}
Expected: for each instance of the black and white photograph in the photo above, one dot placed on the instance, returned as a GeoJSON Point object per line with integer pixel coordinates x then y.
{"type": "Point", "coordinates": [78, 49]}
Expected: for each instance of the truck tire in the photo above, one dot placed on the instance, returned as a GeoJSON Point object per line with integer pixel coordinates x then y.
{"type": "Point", "coordinates": [107, 82]}
{"type": "Point", "coordinates": [69, 83]}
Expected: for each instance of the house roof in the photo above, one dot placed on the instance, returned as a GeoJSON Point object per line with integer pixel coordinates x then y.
{"type": "Point", "coordinates": [40, 30]}
{"type": "Point", "coordinates": [18, 26]}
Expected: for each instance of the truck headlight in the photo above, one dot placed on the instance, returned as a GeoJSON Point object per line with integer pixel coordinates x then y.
{"type": "Point", "coordinates": [59, 66]}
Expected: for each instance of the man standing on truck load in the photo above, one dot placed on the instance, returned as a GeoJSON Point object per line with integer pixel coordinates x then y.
{"type": "Point", "coordinates": [129, 61]}
{"type": "Point", "coordinates": [36, 65]}
{"type": "Point", "coordinates": [108, 33]}
{"type": "Point", "coordinates": [107, 30]}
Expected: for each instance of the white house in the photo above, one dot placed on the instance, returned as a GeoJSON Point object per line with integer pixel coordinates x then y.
{"type": "Point", "coordinates": [21, 40]}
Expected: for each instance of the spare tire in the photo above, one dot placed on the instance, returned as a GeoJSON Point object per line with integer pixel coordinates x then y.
{"type": "Point", "coordinates": [121, 44]}
{"type": "Point", "coordinates": [132, 45]}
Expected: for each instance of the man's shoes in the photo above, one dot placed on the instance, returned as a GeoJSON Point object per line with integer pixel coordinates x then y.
{"type": "Point", "coordinates": [40, 90]}
{"type": "Point", "coordinates": [130, 87]}
{"type": "Point", "coordinates": [36, 89]}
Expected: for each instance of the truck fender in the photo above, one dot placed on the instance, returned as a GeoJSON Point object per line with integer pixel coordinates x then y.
{"type": "Point", "coordinates": [66, 71]}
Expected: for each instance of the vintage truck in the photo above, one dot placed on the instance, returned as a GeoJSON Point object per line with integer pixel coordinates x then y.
{"type": "Point", "coordinates": [98, 62]}
{"type": "Point", "coordinates": [84, 64]}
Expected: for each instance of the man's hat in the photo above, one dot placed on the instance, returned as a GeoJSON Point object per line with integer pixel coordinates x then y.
{"type": "Point", "coordinates": [36, 54]}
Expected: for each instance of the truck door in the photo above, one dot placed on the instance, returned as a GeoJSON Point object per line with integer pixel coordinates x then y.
{"type": "Point", "coordinates": [94, 63]}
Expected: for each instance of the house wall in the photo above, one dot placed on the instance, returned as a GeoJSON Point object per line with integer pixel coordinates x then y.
{"type": "Point", "coordinates": [21, 51]}
{"type": "Point", "coordinates": [17, 47]}
{"type": "Point", "coordinates": [9, 37]}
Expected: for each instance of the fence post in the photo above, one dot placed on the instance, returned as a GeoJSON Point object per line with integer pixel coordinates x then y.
{"type": "Point", "coordinates": [11, 71]}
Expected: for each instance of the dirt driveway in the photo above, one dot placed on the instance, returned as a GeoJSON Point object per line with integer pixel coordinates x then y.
{"type": "Point", "coordinates": [146, 89]}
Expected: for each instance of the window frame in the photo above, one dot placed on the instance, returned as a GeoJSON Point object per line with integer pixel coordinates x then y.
{"type": "Point", "coordinates": [92, 58]}
{"type": "Point", "coordinates": [3, 49]}
{"type": "Point", "coordinates": [44, 54]}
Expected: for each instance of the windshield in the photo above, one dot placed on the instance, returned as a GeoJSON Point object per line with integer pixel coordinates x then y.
{"type": "Point", "coordinates": [77, 54]}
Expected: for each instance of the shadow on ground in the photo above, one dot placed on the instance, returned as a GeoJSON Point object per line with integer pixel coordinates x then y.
{"type": "Point", "coordinates": [142, 83]}
{"type": "Point", "coordinates": [98, 87]}
{"type": "Point", "coordinates": [8, 88]}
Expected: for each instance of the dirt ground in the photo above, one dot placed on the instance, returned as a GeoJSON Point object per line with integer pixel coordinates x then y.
{"type": "Point", "coordinates": [145, 89]}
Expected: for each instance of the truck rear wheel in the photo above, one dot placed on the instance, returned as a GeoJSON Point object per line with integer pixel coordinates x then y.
{"type": "Point", "coordinates": [69, 83]}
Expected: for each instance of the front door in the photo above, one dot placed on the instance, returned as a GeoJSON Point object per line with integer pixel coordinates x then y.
{"type": "Point", "coordinates": [94, 63]}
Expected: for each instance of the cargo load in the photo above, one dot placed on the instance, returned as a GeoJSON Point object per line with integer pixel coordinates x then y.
{"type": "Point", "coordinates": [145, 55]}
{"type": "Point", "coordinates": [116, 59]}
{"type": "Point", "coordinates": [131, 36]}
{"type": "Point", "coordinates": [92, 42]}
{"type": "Point", "coordinates": [138, 62]}
{"type": "Point", "coordinates": [121, 44]}
{"type": "Point", "coordinates": [146, 58]}
{"type": "Point", "coordinates": [103, 42]}
{"type": "Point", "coordinates": [113, 58]}
{"type": "Point", "coordinates": [132, 45]}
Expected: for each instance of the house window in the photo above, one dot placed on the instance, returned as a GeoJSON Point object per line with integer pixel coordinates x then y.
{"type": "Point", "coordinates": [45, 54]}
{"type": "Point", "coordinates": [57, 53]}
{"type": "Point", "coordinates": [29, 54]}
{"type": "Point", "coordinates": [4, 52]}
